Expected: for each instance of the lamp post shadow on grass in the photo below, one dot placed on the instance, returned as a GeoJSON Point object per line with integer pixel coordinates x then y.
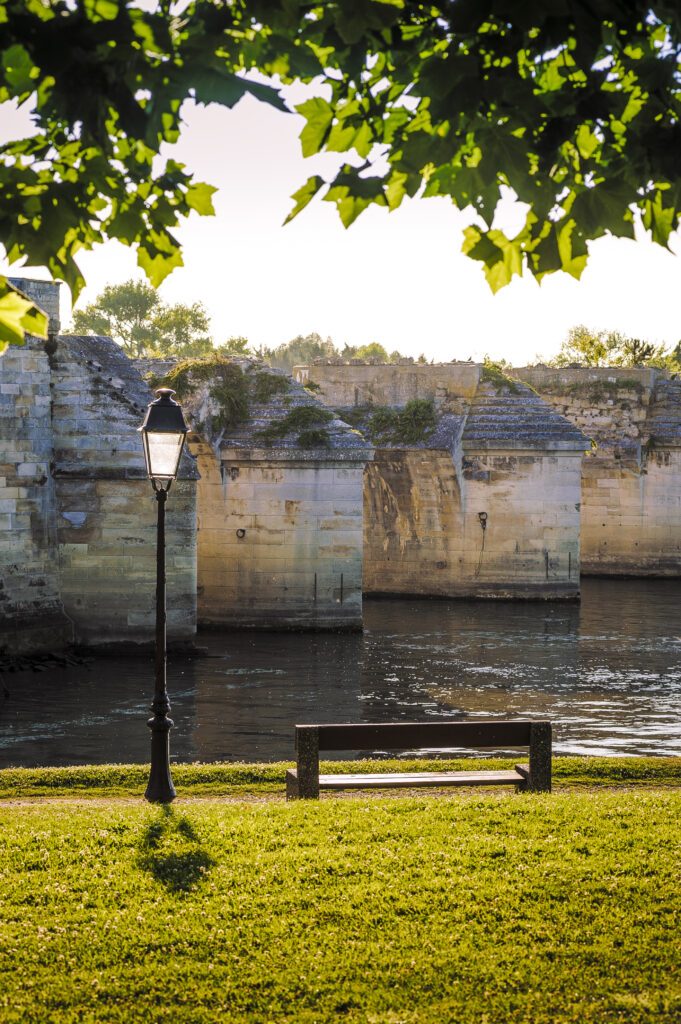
{"type": "Point", "coordinates": [171, 851]}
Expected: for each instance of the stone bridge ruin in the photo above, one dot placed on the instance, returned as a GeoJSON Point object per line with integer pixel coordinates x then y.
{"type": "Point", "coordinates": [296, 496]}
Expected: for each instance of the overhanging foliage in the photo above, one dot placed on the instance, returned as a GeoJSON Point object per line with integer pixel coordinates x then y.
{"type": "Point", "coordinates": [573, 106]}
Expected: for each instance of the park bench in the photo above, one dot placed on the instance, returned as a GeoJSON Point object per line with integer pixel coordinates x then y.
{"type": "Point", "coordinates": [305, 782]}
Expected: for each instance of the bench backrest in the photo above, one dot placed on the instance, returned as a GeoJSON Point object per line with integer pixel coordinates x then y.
{"type": "Point", "coordinates": [410, 735]}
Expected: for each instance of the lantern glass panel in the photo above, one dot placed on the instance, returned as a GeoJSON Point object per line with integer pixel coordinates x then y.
{"type": "Point", "coordinates": [162, 453]}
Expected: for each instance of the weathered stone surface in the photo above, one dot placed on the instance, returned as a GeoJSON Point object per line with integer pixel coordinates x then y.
{"type": "Point", "coordinates": [280, 526]}
{"type": "Point", "coordinates": [486, 506]}
{"type": "Point", "coordinates": [31, 611]}
{"type": "Point", "coordinates": [344, 385]}
{"type": "Point", "coordinates": [106, 523]}
{"type": "Point", "coordinates": [45, 294]}
{"type": "Point", "coordinates": [631, 481]}
{"type": "Point", "coordinates": [77, 514]}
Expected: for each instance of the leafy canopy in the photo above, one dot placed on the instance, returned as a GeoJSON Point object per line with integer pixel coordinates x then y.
{"type": "Point", "coordinates": [134, 316]}
{"type": "Point", "coordinates": [575, 107]}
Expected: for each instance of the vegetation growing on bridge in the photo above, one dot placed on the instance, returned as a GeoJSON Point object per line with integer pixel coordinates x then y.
{"type": "Point", "coordinates": [495, 374]}
{"type": "Point", "coordinates": [412, 425]}
{"type": "Point", "coordinates": [308, 420]}
{"type": "Point", "coordinates": [228, 386]}
{"type": "Point", "coordinates": [231, 387]}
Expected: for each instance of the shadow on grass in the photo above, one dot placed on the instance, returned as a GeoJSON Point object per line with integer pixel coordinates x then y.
{"type": "Point", "coordinates": [170, 850]}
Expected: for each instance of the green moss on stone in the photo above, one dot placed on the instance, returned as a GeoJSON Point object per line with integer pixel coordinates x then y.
{"type": "Point", "coordinates": [302, 418]}
{"type": "Point", "coordinates": [412, 425]}
{"type": "Point", "coordinates": [318, 438]}
{"type": "Point", "coordinates": [494, 374]}
{"type": "Point", "coordinates": [229, 391]}
{"type": "Point", "coordinates": [266, 385]}
{"type": "Point", "coordinates": [184, 377]}
{"type": "Point", "coordinates": [356, 417]}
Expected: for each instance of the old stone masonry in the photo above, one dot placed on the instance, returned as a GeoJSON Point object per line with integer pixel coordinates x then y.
{"type": "Point", "coordinates": [297, 495]}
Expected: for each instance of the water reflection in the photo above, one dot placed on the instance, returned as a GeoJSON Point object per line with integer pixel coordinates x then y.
{"type": "Point", "coordinates": [607, 672]}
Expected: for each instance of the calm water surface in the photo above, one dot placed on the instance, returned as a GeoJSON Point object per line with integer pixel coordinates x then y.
{"type": "Point", "coordinates": [607, 672]}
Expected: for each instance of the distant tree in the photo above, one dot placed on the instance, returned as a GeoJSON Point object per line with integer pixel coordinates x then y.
{"type": "Point", "coordinates": [180, 330]}
{"type": "Point", "coordinates": [587, 347]}
{"type": "Point", "coordinates": [236, 346]}
{"type": "Point", "coordinates": [373, 350]}
{"type": "Point", "coordinates": [305, 349]}
{"type": "Point", "coordinates": [635, 352]}
{"type": "Point", "coordinates": [299, 351]}
{"type": "Point", "coordinates": [134, 316]}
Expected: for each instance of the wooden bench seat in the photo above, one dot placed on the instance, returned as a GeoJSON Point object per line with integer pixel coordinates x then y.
{"type": "Point", "coordinates": [305, 782]}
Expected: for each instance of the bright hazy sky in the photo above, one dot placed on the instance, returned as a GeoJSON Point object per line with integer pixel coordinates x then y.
{"type": "Point", "coordinates": [397, 278]}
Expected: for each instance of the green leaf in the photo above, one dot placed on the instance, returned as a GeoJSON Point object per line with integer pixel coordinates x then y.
{"type": "Point", "coordinates": [587, 142]}
{"type": "Point", "coordinates": [396, 189]}
{"type": "Point", "coordinates": [305, 195]}
{"type": "Point", "coordinates": [319, 117]}
{"type": "Point", "coordinates": [20, 71]}
{"type": "Point", "coordinates": [157, 264]}
{"type": "Point", "coordinates": [220, 85]}
{"type": "Point", "coordinates": [571, 249]}
{"type": "Point", "coordinates": [502, 257]}
{"type": "Point", "coordinates": [199, 197]}
{"type": "Point", "coordinates": [604, 208]}
{"type": "Point", "coordinates": [101, 10]}
{"type": "Point", "coordinates": [659, 220]}
{"type": "Point", "coordinates": [343, 137]}
{"type": "Point", "coordinates": [18, 316]}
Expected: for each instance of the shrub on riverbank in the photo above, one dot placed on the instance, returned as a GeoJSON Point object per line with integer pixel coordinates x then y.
{"type": "Point", "coordinates": [230, 778]}
{"type": "Point", "coordinates": [554, 909]}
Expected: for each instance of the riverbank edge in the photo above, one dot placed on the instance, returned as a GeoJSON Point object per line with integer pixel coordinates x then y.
{"type": "Point", "coordinates": [243, 779]}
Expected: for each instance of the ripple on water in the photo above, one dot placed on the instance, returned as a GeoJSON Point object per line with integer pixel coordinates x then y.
{"type": "Point", "coordinates": [607, 673]}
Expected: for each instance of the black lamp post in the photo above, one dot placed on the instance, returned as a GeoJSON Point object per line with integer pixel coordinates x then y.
{"type": "Point", "coordinates": [163, 432]}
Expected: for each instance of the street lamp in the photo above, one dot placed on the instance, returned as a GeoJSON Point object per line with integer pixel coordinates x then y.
{"type": "Point", "coordinates": [163, 432]}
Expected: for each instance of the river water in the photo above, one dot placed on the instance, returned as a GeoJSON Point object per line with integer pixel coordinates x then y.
{"type": "Point", "coordinates": [606, 671]}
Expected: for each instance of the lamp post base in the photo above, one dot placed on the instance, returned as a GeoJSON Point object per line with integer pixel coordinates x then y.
{"type": "Point", "coordinates": [160, 788]}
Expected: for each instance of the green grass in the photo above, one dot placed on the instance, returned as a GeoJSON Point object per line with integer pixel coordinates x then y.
{"type": "Point", "coordinates": [470, 909]}
{"type": "Point", "coordinates": [234, 779]}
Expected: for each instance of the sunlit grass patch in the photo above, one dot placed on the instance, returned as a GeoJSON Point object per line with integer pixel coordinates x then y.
{"type": "Point", "coordinates": [241, 778]}
{"type": "Point", "coordinates": [550, 909]}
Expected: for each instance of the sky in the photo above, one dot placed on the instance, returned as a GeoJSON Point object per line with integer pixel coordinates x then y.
{"type": "Point", "coordinates": [396, 278]}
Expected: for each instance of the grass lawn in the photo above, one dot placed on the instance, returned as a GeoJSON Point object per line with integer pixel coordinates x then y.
{"type": "Point", "coordinates": [233, 779]}
{"type": "Point", "coordinates": [471, 907]}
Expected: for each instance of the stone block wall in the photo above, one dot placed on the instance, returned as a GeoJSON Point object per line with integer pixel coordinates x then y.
{"type": "Point", "coordinates": [106, 510]}
{"type": "Point", "coordinates": [423, 529]}
{"type": "Point", "coordinates": [279, 539]}
{"type": "Point", "coordinates": [344, 385]}
{"type": "Point", "coordinates": [45, 294]}
{"type": "Point", "coordinates": [631, 515]}
{"type": "Point", "coordinates": [31, 611]}
{"type": "Point", "coordinates": [498, 455]}
{"type": "Point", "coordinates": [413, 521]}
{"type": "Point", "coordinates": [631, 481]}
{"type": "Point", "coordinates": [531, 541]}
